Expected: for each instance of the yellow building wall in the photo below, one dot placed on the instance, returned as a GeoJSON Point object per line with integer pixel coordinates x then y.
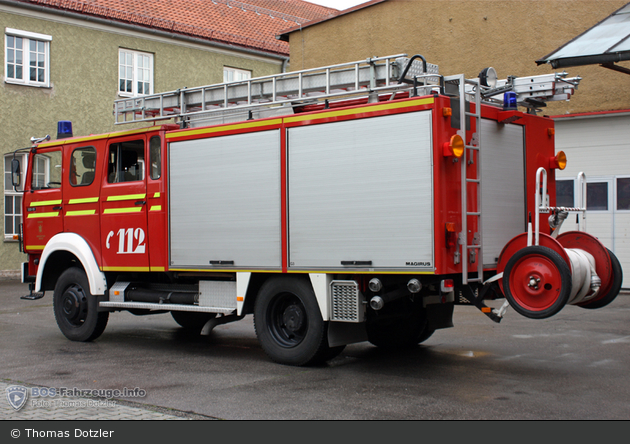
{"type": "Point", "coordinates": [465, 36]}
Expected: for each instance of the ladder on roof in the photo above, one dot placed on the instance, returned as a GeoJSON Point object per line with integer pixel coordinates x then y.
{"type": "Point", "coordinates": [276, 94]}
{"type": "Point", "coordinates": [472, 248]}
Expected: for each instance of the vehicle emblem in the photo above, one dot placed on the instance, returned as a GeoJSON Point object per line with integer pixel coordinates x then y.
{"type": "Point", "coordinates": [17, 396]}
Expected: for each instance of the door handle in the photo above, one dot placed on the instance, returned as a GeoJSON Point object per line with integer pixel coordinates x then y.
{"type": "Point", "coordinates": [59, 207]}
{"type": "Point", "coordinates": [141, 202]}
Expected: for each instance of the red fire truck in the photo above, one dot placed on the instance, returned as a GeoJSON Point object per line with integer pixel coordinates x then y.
{"type": "Point", "coordinates": [341, 204]}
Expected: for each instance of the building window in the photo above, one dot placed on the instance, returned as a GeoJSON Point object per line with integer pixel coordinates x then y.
{"type": "Point", "coordinates": [13, 198]}
{"type": "Point", "coordinates": [135, 73]}
{"type": "Point", "coordinates": [623, 193]}
{"type": "Point", "coordinates": [565, 193]}
{"type": "Point", "coordinates": [597, 196]}
{"type": "Point", "coordinates": [235, 75]}
{"type": "Point", "coordinates": [27, 57]}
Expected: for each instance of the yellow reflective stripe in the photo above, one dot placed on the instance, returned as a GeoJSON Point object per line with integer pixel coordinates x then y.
{"type": "Point", "coordinates": [38, 215]}
{"type": "Point", "coordinates": [158, 269]}
{"type": "Point", "coordinates": [157, 194]}
{"type": "Point", "coordinates": [84, 200]}
{"type": "Point", "coordinates": [156, 208]}
{"type": "Point", "coordinates": [41, 203]}
{"type": "Point", "coordinates": [224, 128]}
{"type": "Point", "coordinates": [34, 247]}
{"type": "Point", "coordinates": [80, 213]}
{"type": "Point", "coordinates": [122, 210]}
{"type": "Point", "coordinates": [125, 269]}
{"type": "Point", "coordinates": [125, 197]}
{"type": "Point", "coordinates": [363, 110]}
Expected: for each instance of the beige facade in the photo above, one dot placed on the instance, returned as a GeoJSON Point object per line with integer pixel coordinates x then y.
{"type": "Point", "coordinates": [465, 36]}
{"type": "Point", "coordinates": [83, 85]}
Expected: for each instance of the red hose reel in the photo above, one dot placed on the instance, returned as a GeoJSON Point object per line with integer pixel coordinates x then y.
{"type": "Point", "coordinates": [539, 280]}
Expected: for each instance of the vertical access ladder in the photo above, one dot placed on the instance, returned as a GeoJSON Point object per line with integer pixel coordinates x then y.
{"type": "Point", "coordinates": [472, 251]}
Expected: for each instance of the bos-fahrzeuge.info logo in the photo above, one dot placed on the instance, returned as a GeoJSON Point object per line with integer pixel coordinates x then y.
{"type": "Point", "coordinates": [17, 396]}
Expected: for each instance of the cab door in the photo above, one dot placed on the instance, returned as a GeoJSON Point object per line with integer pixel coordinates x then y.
{"type": "Point", "coordinates": [123, 201]}
{"type": "Point", "coordinates": [43, 198]}
{"type": "Point", "coordinates": [81, 194]}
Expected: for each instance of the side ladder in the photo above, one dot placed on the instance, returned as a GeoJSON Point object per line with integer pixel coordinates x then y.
{"type": "Point", "coordinates": [472, 251]}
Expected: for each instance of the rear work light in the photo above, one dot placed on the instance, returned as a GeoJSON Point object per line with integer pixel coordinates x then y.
{"type": "Point", "coordinates": [455, 147]}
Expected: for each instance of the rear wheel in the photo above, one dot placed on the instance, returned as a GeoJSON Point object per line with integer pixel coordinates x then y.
{"type": "Point", "coordinates": [192, 320]}
{"type": "Point", "coordinates": [289, 325]}
{"type": "Point", "coordinates": [76, 309]}
{"type": "Point", "coordinates": [397, 331]}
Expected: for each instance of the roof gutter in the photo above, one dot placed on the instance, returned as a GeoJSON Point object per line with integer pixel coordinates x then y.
{"type": "Point", "coordinates": [142, 29]}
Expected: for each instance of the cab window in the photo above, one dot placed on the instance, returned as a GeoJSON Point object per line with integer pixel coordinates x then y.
{"type": "Point", "coordinates": [46, 170]}
{"type": "Point", "coordinates": [155, 153]}
{"type": "Point", "coordinates": [125, 161]}
{"type": "Point", "coordinates": [83, 166]}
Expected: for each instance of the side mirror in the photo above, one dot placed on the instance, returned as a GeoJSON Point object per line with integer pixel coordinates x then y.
{"type": "Point", "coordinates": [16, 173]}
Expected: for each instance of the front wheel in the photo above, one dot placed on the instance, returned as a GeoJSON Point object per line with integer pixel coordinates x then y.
{"type": "Point", "coordinates": [288, 323]}
{"type": "Point", "coordinates": [76, 309]}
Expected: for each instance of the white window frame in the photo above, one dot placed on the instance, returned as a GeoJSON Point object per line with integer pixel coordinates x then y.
{"type": "Point", "coordinates": [10, 192]}
{"type": "Point", "coordinates": [27, 37]}
{"type": "Point", "coordinates": [236, 74]}
{"type": "Point", "coordinates": [134, 71]}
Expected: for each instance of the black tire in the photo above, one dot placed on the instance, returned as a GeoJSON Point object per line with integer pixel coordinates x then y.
{"type": "Point", "coordinates": [399, 332]}
{"type": "Point", "coordinates": [289, 325]}
{"type": "Point", "coordinates": [76, 309]}
{"type": "Point", "coordinates": [617, 274]}
{"type": "Point", "coordinates": [541, 299]}
{"type": "Point", "coordinates": [191, 320]}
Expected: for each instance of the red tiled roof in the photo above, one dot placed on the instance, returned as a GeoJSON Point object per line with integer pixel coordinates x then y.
{"type": "Point", "coordinates": [251, 23]}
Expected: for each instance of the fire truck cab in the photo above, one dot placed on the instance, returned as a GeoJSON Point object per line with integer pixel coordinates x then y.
{"type": "Point", "coordinates": [348, 203]}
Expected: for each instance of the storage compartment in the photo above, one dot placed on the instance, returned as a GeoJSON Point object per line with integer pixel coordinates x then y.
{"type": "Point", "coordinates": [360, 193]}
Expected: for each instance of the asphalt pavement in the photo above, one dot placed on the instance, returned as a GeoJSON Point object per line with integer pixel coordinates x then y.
{"type": "Point", "coordinates": [569, 367]}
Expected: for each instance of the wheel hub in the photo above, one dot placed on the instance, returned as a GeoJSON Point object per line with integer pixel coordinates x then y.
{"type": "Point", "coordinates": [293, 318]}
{"type": "Point", "coordinates": [533, 282]}
{"type": "Point", "coordinates": [74, 305]}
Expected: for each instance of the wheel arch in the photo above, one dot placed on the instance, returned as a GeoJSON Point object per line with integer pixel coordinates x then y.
{"type": "Point", "coordinates": [63, 251]}
{"type": "Point", "coordinates": [254, 281]}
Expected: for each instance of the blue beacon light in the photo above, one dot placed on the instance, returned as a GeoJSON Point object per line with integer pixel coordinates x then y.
{"type": "Point", "coordinates": [509, 101]}
{"type": "Point", "coordinates": [64, 129]}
